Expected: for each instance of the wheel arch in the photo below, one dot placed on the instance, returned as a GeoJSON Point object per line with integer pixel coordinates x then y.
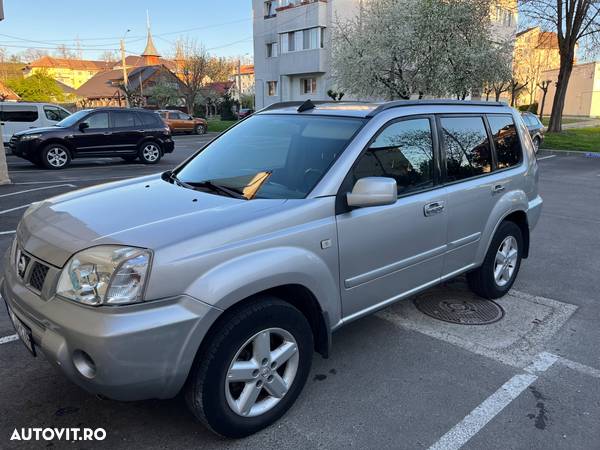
{"type": "Point", "coordinates": [56, 140]}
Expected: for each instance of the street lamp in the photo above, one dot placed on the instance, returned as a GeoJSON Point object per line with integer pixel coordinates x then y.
{"type": "Point", "coordinates": [125, 79]}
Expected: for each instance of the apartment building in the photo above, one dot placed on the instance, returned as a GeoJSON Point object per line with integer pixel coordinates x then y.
{"type": "Point", "coordinates": [292, 42]}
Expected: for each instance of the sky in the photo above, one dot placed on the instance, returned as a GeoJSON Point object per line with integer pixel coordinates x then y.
{"type": "Point", "coordinates": [223, 26]}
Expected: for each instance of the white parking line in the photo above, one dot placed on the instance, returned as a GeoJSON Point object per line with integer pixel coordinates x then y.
{"type": "Point", "coordinates": [7, 339]}
{"type": "Point", "coordinates": [83, 180]}
{"type": "Point", "coordinates": [37, 189]}
{"type": "Point", "coordinates": [546, 157]}
{"type": "Point", "coordinates": [14, 209]}
{"type": "Point", "coordinates": [463, 431]}
{"type": "Point", "coordinates": [2, 233]}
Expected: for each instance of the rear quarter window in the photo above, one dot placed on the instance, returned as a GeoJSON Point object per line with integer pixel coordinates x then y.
{"type": "Point", "coordinates": [151, 119]}
{"type": "Point", "coordinates": [506, 141]}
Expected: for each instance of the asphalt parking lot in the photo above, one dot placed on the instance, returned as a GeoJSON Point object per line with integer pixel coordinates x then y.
{"type": "Point", "coordinates": [398, 379]}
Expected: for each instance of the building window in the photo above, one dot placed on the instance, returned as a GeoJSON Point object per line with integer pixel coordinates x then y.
{"type": "Point", "coordinates": [272, 50]}
{"type": "Point", "coordinates": [307, 39]}
{"type": "Point", "coordinates": [271, 88]}
{"type": "Point", "coordinates": [308, 85]}
{"type": "Point", "coordinates": [269, 9]}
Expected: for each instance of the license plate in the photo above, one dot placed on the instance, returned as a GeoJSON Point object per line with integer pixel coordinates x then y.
{"type": "Point", "coordinates": [23, 331]}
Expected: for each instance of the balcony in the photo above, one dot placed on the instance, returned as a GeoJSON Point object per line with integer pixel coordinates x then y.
{"type": "Point", "coordinates": [302, 15]}
{"type": "Point", "coordinates": [304, 61]}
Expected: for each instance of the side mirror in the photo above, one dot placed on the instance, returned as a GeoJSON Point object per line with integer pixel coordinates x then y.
{"type": "Point", "coordinates": [373, 191]}
{"type": "Point", "coordinates": [83, 126]}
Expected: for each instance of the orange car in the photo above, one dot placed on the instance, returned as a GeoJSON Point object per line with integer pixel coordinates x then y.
{"type": "Point", "coordinates": [178, 122]}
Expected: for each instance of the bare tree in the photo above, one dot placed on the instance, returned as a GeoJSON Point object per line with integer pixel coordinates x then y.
{"type": "Point", "coordinates": [109, 56]}
{"type": "Point", "coordinates": [574, 21]}
{"type": "Point", "coordinates": [500, 87]}
{"type": "Point", "coordinates": [515, 86]}
{"type": "Point", "coordinates": [62, 51]}
{"type": "Point", "coordinates": [544, 85]}
{"type": "Point", "coordinates": [195, 71]}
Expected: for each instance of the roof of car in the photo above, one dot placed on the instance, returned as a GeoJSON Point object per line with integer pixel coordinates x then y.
{"type": "Point", "coordinates": [366, 109]}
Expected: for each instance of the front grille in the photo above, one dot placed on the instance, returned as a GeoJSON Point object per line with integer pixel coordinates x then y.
{"type": "Point", "coordinates": [38, 275]}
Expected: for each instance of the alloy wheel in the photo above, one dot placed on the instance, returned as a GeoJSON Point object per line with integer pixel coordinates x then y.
{"type": "Point", "coordinates": [151, 152]}
{"type": "Point", "coordinates": [57, 157]}
{"type": "Point", "coordinates": [262, 372]}
{"type": "Point", "coordinates": [506, 261]}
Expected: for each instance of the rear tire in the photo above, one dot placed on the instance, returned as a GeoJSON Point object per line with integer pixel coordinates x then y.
{"type": "Point", "coordinates": [55, 156]}
{"type": "Point", "coordinates": [236, 340]}
{"type": "Point", "coordinates": [200, 129]}
{"type": "Point", "coordinates": [536, 144]}
{"type": "Point", "coordinates": [501, 264]}
{"type": "Point", "coordinates": [150, 152]}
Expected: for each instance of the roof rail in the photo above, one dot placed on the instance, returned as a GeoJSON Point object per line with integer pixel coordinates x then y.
{"type": "Point", "coordinates": [280, 105]}
{"type": "Point", "coordinates": [400, 103]}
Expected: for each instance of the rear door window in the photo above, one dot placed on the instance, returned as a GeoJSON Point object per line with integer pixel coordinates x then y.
{"type": "Point", "coordinates": [19, 113]}
{"type": "Point", "coordinates": [466, 147]}
{"type": "Point", "coordinates": [123, 119]}
{"type": "Point", "coordinates": [506, 140]}
{"type": "Point", "coordinates": [402, 151]}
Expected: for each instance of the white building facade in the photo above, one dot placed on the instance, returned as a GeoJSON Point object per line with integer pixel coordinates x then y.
{"type": "Point", "coordinates": [292, 45]}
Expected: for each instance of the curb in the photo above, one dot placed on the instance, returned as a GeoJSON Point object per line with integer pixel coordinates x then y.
{"type": "Point", "coordinates": [585, 154]}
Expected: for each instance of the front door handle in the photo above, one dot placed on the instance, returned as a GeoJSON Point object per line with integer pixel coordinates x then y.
{"type": "Point", "coordinates": [433, 208]}
{"type": "Point", "coordinates": [498, 188]}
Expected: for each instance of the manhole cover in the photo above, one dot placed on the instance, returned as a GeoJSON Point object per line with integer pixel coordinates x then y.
{"type": "Point", "coordinates": [463, 311]}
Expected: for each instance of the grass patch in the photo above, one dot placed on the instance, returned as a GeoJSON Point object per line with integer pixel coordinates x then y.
{"type": "Point", "coordinates": [219, 125]}
{"type": "Point", "coordinates": [546, 120]}
{"type": "Point", "coordinates": [581, 139]}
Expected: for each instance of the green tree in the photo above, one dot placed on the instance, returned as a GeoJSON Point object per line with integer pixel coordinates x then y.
{"type": "Point", "coordinates": [38, 87]}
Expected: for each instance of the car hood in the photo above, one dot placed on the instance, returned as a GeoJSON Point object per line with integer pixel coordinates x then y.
{"type": "Point", "coordinates": [145, 212]}
{"type": "Point", "coordinates": [37, 130]}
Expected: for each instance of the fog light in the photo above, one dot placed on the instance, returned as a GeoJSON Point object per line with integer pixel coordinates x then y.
{"type": "Point", "coordinates": [84, 364]}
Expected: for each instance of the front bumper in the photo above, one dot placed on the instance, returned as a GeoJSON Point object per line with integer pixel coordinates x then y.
{"type": "Point", "coordinates": [138, 352]}
{"type": "Point", "coordinates": [23, 149]}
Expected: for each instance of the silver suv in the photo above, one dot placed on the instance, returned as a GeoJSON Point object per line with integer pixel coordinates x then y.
{"type": "Point", "coordinates": [222, 276]}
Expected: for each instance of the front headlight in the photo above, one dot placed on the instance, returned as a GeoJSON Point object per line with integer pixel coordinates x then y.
{"type": "Point", "coordinates": [105, 275]}
{"type": "Point", "coordinates": [30, 137]}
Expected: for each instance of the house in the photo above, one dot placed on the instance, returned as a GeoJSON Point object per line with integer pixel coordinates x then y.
{"type": "Point", "coordinates": [243, 78]}
{"type": "Point", "coordinates": [292, 44]}
{"type": "Point", "coordinates": [583, 92]}
{"type": "Point", "coordinates": [536, 51]}
{"type": "Point", "coordinates": [104, 89]}
{"type": "Point", "coordinates": [72, 72]}
{"type": "Point", "coordinates": [7, 94]}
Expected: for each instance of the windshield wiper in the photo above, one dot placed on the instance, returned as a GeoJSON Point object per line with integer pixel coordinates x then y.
{"type": "Point", "coordinates": [218, 188]}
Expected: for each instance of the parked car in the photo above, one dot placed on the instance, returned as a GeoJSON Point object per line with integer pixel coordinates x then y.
{"type": "Point", "coordinates": [179, 122]}
{"type": "Point", "coordinates": [17, 117]}
{"type": "Point", "coordinates": [222, 276]}
{"type": "Point", "coordinates": [245, 112]}
{"type": "Point", "coordinates": [536, 129]}
{"type": "Point", "coordinates": [127, 133]}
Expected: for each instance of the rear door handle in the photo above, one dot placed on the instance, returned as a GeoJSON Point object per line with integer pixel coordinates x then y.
{"type": "Point", "coordinates": [498, 188]}
{"type": "Point", "coordinates": [433, 208]}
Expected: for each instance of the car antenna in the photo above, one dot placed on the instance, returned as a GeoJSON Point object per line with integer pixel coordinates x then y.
{"type": "Point", "coordinates": [306, 106]}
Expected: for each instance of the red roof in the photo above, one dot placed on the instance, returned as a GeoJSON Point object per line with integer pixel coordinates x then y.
{"type": "Point", "coordinates": [73, 64]}
{"type": "Point", "coordinates": [137, 61]}
{"type": "Point", "coordinates": [247, 69]}
{"type": "Point", "coordinates": [7, 93]}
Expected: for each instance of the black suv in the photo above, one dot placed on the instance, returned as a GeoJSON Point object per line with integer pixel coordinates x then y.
{"type": "Point", "coordinates": [128, 133]}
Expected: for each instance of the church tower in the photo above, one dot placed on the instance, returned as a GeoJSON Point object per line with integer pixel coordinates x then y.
{"type": "Point", "coordinates": [150, 55]}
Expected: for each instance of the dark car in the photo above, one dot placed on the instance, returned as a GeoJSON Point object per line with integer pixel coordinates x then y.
{"type": "Point", "coordinates": [535, 127]}
{"type": "Point", "coordinates": [126, 133]}
{"type": "Point", "coordinates": [245, 112]}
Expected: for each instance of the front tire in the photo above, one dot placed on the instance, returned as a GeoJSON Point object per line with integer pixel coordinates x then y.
{"type": "Point", "coordinates": [55, 156]}
{"type": "Point", "coordinates": [150, 152]}
{"type": "Point", "coordinates": [200, 129]}
{"type": "Point", "coordinates": [501, 264]}
{"type": "Point", "coordinates": [251, 369]}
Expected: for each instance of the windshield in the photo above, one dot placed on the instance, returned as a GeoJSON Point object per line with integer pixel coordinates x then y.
{"type": "Point", "coordinates": [272, 156]}
{"type": "Point", "coordinates": [73, 118]}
